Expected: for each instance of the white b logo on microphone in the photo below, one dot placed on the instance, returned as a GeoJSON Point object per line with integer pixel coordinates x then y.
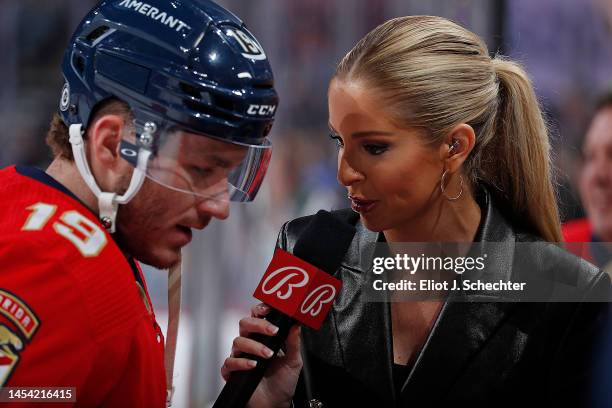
{"type": "Point", "coordinates": [317, 298]}
{"type": "Point", "coordinates": [285, 281]}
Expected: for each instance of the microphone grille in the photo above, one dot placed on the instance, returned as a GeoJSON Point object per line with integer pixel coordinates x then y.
{"type": "Point", "coordinates": [324, 241]}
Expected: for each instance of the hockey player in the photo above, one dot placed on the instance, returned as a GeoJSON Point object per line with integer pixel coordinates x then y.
{"type": "Point", "coordinates": [163, 120]}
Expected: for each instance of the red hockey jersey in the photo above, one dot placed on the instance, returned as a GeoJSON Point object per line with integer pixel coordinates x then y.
{"type": "Point", "coordinates": [72, 313]}
{"type": "Point", "coordinates": [577, 234]}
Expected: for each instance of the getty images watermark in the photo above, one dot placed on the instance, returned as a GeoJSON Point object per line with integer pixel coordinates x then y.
{"type": "Point", "coordinates": [472, 272]}
{"type": "Point", "coordinates": [460, 264]}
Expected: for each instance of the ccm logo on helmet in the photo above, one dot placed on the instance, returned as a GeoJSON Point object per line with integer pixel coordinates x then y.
{"type": "Point", "coordinates": [261, 110]}
{"type": "Point", "coordinates": [154, 13]}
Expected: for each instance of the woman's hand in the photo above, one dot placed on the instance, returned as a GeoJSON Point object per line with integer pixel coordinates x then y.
{"type": "Point", "coordinates": [278, 384]}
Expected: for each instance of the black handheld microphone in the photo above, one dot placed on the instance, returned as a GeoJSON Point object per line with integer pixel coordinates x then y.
{"type": "Point", "coordinates": [322, 244]}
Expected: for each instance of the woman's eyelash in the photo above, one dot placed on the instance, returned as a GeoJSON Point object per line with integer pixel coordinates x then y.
{"type": "Point", "coordinates": [372, 148]}
{"type": "Point", "coordinates": [337, 138]}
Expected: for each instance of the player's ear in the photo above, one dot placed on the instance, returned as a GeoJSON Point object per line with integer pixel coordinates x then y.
{"type": "Point", "coordinates": [104, 138]}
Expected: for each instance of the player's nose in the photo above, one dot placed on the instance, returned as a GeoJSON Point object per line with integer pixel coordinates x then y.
{"type": "Point", "coordinates": [216, 202]}
{"type": "Point", "coordinates": [217, 207]}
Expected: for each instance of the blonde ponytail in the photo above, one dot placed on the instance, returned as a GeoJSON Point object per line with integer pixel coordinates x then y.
{"type": "Point", "coordinates": [522, 169]}
{"type": "Point", "coordinates": [434, 75]}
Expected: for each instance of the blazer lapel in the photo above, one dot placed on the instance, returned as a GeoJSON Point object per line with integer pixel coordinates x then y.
{"type": "Point", "coordinates": [461, 330]}
{"type": "Point", "coordinates": [364, 327]}
{"type": "Point", "coordinates": [467, 320]}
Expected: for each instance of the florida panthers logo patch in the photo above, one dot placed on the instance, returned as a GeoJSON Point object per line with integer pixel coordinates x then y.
{"type": "Point", "coordinates": [10, 346]}
{"type": "Point", "coordinates": [24, 324]}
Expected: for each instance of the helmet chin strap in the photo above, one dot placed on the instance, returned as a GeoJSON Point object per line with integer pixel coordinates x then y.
{"type": "Point", "coordinates": [108, 202]}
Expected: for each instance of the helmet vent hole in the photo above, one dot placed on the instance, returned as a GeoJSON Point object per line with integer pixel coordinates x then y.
{"type": "Point", "coordinates": [224, 103]}
{"type": "Point", "coordinates": [79, 63]}
{"type": "Point", "coordinates": [97, 33]}
{"type": "Point", "coordinates": [208, 110]}
{"type": "Point", "coordinates": [202, 97]}
{"type": "Point", "coordinates": [263, 84]}
{"type": "Point", "coordinates": [190, 90]}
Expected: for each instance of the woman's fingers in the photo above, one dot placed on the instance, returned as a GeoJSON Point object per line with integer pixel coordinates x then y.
{"type": "Point", "coordinates": [248, 325]}
{"type": "Point", "coordinates": [260, 310]}
{"type": "Point", "coordinates": [239, 346]}
{"type": "Point", "coordinates": [245, 345]}
{"type": "Point", "coordinates": [292, 347]}
{"type": "Point", "coordinates": [232, 364]}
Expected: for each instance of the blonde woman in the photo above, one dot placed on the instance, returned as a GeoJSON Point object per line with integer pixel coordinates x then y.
{"type": "Point", "coordinates": [437, 142]}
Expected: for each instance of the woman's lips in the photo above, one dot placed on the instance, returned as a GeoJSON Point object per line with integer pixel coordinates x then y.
{"type": "Point", "coordinates": [361, 205]}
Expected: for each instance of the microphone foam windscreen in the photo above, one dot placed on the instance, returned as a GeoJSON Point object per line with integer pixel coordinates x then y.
{"type": "Point", "coordinates": [324, 241]}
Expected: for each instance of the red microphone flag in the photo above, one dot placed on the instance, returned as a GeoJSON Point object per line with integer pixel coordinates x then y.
{"type": "Point", "coordinates": [298, 289]}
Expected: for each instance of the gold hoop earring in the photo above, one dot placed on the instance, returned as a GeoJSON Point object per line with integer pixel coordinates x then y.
{"type": "Point", "coordinates": [444, 192]}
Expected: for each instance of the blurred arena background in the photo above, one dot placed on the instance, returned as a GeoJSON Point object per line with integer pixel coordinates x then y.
{"type": "Point", "coordinates": [564, 44]}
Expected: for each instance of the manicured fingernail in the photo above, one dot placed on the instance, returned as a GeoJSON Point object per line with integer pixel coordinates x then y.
{"type": "Point", "coordinates": [272, 329]}
{"type": "Point", "coordinates": [252, 363]}
{"type": "Point", "coordinates": [267, 352]}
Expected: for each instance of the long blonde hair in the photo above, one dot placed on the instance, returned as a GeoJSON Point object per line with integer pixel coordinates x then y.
{"type": "Point", "coordinates": [434, 75]}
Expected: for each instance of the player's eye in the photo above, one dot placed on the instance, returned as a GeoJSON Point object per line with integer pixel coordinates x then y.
{"type": "Point", "coordinates": [201, 171]}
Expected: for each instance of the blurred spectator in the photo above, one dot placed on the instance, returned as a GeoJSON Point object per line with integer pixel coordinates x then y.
{"type": "Point", "coordinates": [596, 188]}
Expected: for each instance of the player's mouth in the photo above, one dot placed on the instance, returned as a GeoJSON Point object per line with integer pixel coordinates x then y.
{"type": "Point", "coordinates": [361, 205]}
{"type": "Point", "coordinates": [184, 234]}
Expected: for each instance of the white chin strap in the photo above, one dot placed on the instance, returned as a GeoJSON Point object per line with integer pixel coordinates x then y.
{"type": "Point", "coordinates": [108, 202]}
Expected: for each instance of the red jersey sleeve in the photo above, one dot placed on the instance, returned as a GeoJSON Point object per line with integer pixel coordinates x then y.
{"type": "Point", "coordinates": [71, 314]}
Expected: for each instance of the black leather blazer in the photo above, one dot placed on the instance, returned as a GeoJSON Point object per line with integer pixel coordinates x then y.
{"type": "Point", "coordinates": [485, 354]}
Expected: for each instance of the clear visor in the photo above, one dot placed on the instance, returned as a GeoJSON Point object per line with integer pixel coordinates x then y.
{"type": "Point", "coordinates": [204, 166]}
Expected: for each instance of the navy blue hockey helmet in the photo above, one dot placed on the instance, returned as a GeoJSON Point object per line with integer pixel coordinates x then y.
{"type": "Point", "coordinates": [186, 68]}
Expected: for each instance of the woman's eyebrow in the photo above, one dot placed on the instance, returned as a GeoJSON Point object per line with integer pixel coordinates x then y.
{"type": "Point", "coordinates": [367, 133]}
{"type": "Point", "coordinates": [364, 133]}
